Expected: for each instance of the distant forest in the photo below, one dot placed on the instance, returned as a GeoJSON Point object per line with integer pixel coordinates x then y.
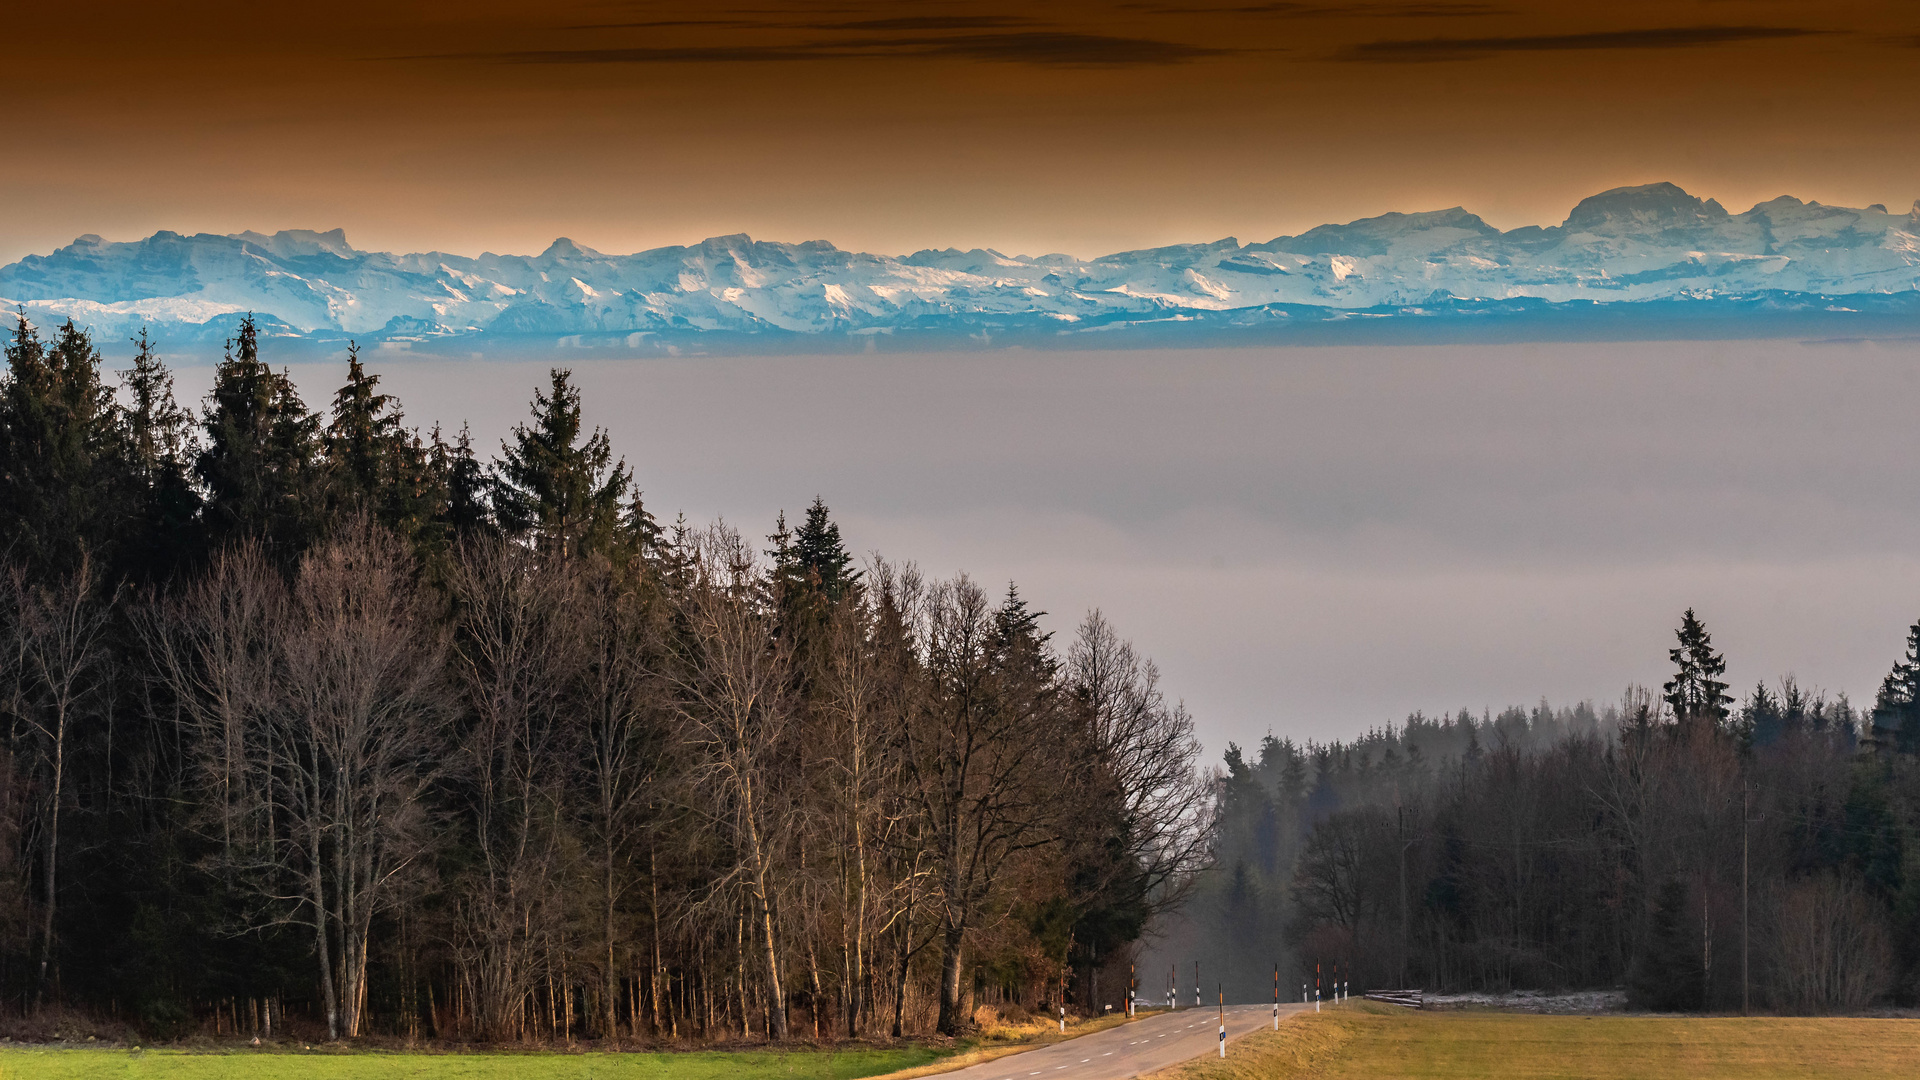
{"type": "Point", "coordinates": [319, 726]}
{"type": "Point", "coordinates": [1702, 854]}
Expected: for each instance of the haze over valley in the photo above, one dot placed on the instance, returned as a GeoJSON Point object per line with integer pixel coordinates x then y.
{"type": "Point", "coordinates": [1313, 540]}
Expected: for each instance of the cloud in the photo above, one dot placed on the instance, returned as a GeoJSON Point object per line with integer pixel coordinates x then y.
{"type": "Point", "coordinates": [1419, 50]}
{"type": "Point", "coordinates": [1061, 49]}
{"type": "Point", "coordinates": [903, 23]}
{"type": "Point", "coordinates": [927, 22]}
{"type": "Point", "coordinates": [1286, 9]}
{"type": "Point", "coordinates": [1045, 48]}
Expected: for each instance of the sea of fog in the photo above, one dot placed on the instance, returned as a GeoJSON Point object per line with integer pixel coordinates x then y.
{"type": "Point", "coordinates": [1314, 541]}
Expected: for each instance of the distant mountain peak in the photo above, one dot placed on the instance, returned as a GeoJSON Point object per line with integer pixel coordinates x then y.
{"type": "Point", "coordinates": [563, 248]}
{"type": "Point", "coordinates": [1662, 205]}
{"type": "Point", "coordinates": [298, 243]}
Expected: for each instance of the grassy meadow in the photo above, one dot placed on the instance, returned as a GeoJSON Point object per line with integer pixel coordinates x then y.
{"type": "Point", "coordinates": [1369, 1042]}
{"type": "Point", "coordinates": [77, 1064]}
{"type": "Point", "coordinates": [997, 1037]}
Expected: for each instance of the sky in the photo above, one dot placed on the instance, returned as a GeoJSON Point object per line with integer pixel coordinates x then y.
{"type": "Point", "coordinates": [1315, 541]}
{"type": "Point", "coordinates": [1081, 127]}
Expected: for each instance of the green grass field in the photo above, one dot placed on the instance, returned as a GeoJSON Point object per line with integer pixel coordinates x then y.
{"type": "Point", "coordinates": [1366, 1042]}
{"type": "Point", "coordinates": [27, 1064]}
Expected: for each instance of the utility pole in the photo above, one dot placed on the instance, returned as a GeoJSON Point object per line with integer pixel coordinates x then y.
{"type": "Point", "coordinates": [1405, 934]}
{"type": "Point", "coordinates": [1745, 984]}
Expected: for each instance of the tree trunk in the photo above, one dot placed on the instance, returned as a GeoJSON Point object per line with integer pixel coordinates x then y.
{"type": "Point", "coordinates": [951, 955]}
{"type": "Point", "coordinates": [58, 752]}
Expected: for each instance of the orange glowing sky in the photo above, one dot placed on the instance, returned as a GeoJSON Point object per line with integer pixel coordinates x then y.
{"type": "Point", "coordinates": [1081, 127]}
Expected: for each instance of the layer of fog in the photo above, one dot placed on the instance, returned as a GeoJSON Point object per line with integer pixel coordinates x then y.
{"type": "Point", "coordinates": [1315, 541]}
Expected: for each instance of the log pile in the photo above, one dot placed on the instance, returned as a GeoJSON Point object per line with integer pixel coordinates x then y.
{"type": "Point", "coordinates": [1409, 998]}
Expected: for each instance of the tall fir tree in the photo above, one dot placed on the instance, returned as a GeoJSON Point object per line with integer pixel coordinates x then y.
{"type": "Point", "coordinates": [1024, 666]}
{"type": "Point", "coordinates": [819, 557]}
{"type": "Point", "coordinates": [563, 492]}
{"type": "Point", "coordinates": [376, 465]}
{"type": "Point", "coordinates": [363, 434]}
{"type": "Point", "coordinates": [62, 460]}
{"type": "Point", "coordinates": [261, 461]}
{"type": "Point", "coordinates": [1762, 719]}
{"type": "Point", "coordinates": [642, 533]}
{"type": "Point", "coordinates": [1896, 709]}
{"type": "Point", "coordinates": [1697, 694]}
{"type": "Point", "coordinates": [465, 511]}
{"type": "Point", "coordinates": [160, 449]}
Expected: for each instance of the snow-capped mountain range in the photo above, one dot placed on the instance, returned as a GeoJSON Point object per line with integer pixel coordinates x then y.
{"type": "Point", "coordinates": [1633, 244]}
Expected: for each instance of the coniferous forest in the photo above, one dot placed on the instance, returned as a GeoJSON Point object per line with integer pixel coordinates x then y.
{"type": "Point", "coordinates": [319, 724]}
{"type": "Point", "coordinates": [1698, 852]}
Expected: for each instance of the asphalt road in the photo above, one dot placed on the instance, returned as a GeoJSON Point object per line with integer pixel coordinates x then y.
{"type": "Point", "coordinates": [1155, 1041]}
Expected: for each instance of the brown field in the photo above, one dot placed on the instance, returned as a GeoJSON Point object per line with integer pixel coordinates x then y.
{"type": "Point", "coordinates": [1368, 1042]}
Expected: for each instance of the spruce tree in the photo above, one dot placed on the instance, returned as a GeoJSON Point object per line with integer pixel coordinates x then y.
{"type": "Point", "coordinates": [378, 466]}
{"type": "Point", "coordinates": [160, 448]}
{"type": "Point", "coordinates": [62, 461]}
{"type": "Point", "coordinates": [363, 434]}
{"type": "Point", "coordinates": [1762, 720]}
{"type": "Point", "coordinates": [642, 531]}
{"type": "Point", "coordinates": [1696, 693]}
{"type": "Point", "coordinates": [1669, 974]}
{"type": "Point", "coordinates": [1896, 709]}
{"type": "Point", "coordinates": [464, 511]}
{"type": "Point", "coordinates": [819, 556]}
{"type": "Point", "coordinates": [1023, 662]}
{"type": "Point", "coordinates": [551, 486]}
{"type": "Point", "coordinates": [260, 463]}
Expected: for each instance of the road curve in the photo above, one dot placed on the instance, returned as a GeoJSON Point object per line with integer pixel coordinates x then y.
{"type": "Point", "coordinates": [1155, 1041]}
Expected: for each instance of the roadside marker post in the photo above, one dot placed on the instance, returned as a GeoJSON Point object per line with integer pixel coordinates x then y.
{"type": "Point", "coordinates": [1223, 1019]}
{"type": "Point", "coordinates": [1316, 987]}
{"type": "Point", "coordinates": [1276, 997]}
{"type": "Point", "coordinates": [1196, 984]}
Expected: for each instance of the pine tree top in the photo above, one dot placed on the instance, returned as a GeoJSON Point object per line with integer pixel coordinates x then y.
{"type": "Point", "coordinates": [1697, 692]}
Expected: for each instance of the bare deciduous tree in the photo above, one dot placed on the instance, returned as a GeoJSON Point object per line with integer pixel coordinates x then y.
{"type": "Point", "coordinates": [734, 680]}
{"type": "Point", "coordinates": [986, 755]}
{"type": "Point", "coordinates": [58, 657]}
{"type": "Point", "coordinates": [358, 739]}
{"type": "Point", "coordinates": [517, 654]}
{"type": "Point", "coordinates": [1146, 750]}
{"type": "Point", "coordinates": [1831, 947]}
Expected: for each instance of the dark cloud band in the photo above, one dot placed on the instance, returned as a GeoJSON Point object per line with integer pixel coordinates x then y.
{"type": "Point", "coordinates": [1418, 50]}
{"type": "Point", "coordinates": [1043, 48]}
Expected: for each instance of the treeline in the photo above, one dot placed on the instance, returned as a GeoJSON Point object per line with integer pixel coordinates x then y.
{"type": "Point", "coordinates": [312, 719]}
{"type": "Point", "coordinates": [1701, 854]}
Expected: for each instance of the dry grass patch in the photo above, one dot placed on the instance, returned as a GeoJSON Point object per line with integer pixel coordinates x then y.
{"type": "Point", "coordinates": [1001, 1037]}
{"type": "Point", "coordinates": [1304, 1043]}
{"type": "Point", "coordinates": [1362, 1042]}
